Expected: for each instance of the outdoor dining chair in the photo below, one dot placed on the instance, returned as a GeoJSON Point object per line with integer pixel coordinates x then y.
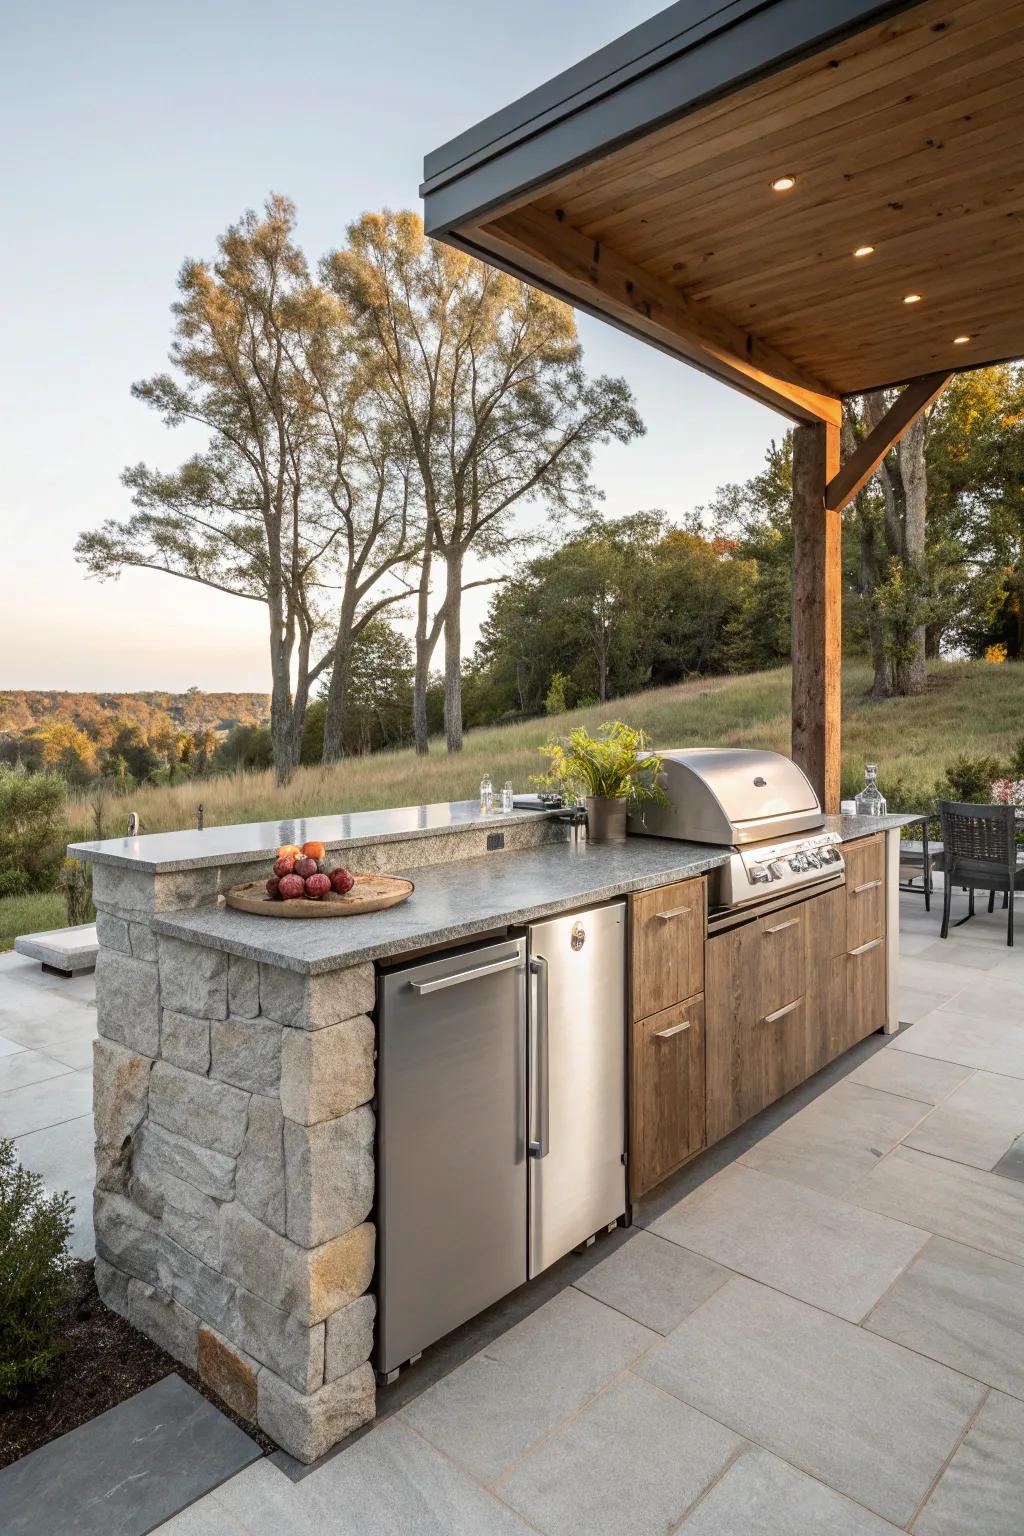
{"type": "Point", "coordinates": [981, 854]}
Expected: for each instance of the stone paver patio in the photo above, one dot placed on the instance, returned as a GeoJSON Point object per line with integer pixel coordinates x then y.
{"type": "Point", "coordinates": [818, 1326]}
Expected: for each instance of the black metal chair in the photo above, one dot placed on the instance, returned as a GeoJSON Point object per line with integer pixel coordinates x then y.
{"type": "Point", "coordinates": [981, 854]}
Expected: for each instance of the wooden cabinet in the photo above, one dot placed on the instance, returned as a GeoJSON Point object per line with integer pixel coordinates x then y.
{"type": "Point", "coordinates": [666, 1092]}
{"type": "Point", "coordinates": [866, 990]}
{"type": "Point", "coordinates": [865, 890]}
{"type": "Point", "coordinates": [666, 946]}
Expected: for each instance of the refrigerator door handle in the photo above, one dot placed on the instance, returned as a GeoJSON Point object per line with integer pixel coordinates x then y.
{"type": "Point", "coordinates": [441, 983]}
{"type": "Point", "coordinates": [539, 1055]}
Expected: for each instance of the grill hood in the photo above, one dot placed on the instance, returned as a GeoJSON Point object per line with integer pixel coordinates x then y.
{"type": "Point", "coordinates": [729, 796]}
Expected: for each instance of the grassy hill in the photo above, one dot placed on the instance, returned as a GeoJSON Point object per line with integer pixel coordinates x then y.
{"type": "Point", "coordinates": [970, 707]}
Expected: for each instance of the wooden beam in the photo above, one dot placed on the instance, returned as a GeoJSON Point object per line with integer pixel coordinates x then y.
{"type": "Point", "coordinates": [816, 625]}
{"type": "Point", "coordinates": [898, 420]}
{"type": "Point", "coordinates": [573, 263]}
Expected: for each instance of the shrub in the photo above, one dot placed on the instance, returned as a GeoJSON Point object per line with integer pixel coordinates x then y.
{"type": "Point", "coordinates": [970, 779]}
{"type": "Point", "coordinates": [35, 1273]}
{"type": "Point", "coordinates": [555, 701]}
{"type": "Point", "coordinates": [33, 810]}
{"type": "Point", "coordinates": [1017, 760]}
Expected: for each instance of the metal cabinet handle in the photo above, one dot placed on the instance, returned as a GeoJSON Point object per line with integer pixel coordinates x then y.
{"type": "Point", "coordinates": [780, 1013]}
{"type": "Point", "coordinates": [778, 927]}
{"type": "Point", "coordinates": [440, 983]}
{"type": "Point", "coordinates": [663, 917]}
{"type": "Point", "coordinates": [862, 949]}
{"type": "Point", "coordinates": [869, 885]}
{"type": "Point", "coordinates": [673, 1029]}
{"type": "Point", "coordinates": [539, 1055]}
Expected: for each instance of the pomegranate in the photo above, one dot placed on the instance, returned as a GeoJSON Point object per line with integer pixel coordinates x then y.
{"type": "Point", "coordinates": [284, 865]}
{"type": "Point", "coordinates": [305, 867]}
{"type": "Point", "coordinates": [342, 881]}
{"type": "Point", "coordinates": [290, 886]}
{"type": "Point", "coordinates": [272, 885]}
{"type": "Point", "coordinates": [317, 886]}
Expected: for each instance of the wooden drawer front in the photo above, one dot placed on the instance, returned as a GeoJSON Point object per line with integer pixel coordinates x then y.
{"type": "Point", "coordinates": [865, 890]}
{"type": "Point", "coordinates": [866, 991]}
{"type": "Point", "coordinates": [667, 946]}
{"type": "Point", "coordinates": [782, 957]}
{"type": "Point", "coordinates": [667, 1093]}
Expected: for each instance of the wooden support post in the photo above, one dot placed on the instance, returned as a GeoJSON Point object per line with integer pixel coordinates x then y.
{"type": "Point", "coordinates": [816, 627]}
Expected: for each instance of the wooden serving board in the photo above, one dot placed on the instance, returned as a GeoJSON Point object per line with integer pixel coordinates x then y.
{"type": "Point", "coordinates": [371, 893]}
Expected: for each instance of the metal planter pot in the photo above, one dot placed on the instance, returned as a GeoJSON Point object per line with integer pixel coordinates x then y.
{"type": "Point", "coordinates": [606, 819]}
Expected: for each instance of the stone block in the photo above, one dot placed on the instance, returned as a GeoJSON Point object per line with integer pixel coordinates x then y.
{"type": "Point", "coordinates": [228, 1372]}
{"type": "Point", "coordinates": [112, 932]}
{"type": "Point", "coordinates": [326, 1072]}
{"type": "Point", "coordinates": [259, 1177]}
{"type": "Point", "coordinates": [212, 1114]}
{"type": "Point", "coordinates": [311, 1283]}
{"type": "Point", "coordinates": [246, 1053]}
{"type": "Point", "coordinates": [243, 987]}
{"type": "Point", "coordinates": [196, 1286]}
{"type": "Point", "coordinates": [127, 1002]}
{"type": "Point", "coordinates": [120, 1094]}
{"type": "Point", "coordinates": [349, 1338]}
{"type": "Point", "coordinates": [126, 1238]}
{"type": "Point", "coordinates": [185, 1041]}
{"type": "Point", "coordinates": [123, 890]}
{"type": "Point", "coordinates": [308, 1425]}
{"type": "Point", "coordinates": [277, 1339]}
{"type": "Point", "coordinates": [112, 1285]}
{"type": "Point", "coordinates": [313, 1002]}
{"type": "Point", "coordinates": [164, 1321]}
{"type": "Point", "coordinates": [329, 1175]}
{"type": "Point", "coordinates": [190, 1218]}
{"type": "Point", "coordinates": [211, 1172]}
{"type": "Point", "coordinates": [193, 979]}
{"type": "Point", "coordinates": [138, 893]}
{"type": "Point", "coordinates": [143, 941]}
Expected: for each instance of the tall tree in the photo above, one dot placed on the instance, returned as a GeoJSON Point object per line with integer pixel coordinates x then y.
{"type": "Point", "coordinates": [486, 374]}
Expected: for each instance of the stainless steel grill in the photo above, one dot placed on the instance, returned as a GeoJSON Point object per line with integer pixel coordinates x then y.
{"type": "Point", "coordinates": [761, 805]}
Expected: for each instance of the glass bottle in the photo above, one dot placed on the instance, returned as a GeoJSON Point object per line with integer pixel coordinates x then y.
{"type": "Point", "coordinates": [870, 801]}
{"type": "Point", "coordinates": [486, 794]}
{"type": "Point", "coordinates": [507, 797]}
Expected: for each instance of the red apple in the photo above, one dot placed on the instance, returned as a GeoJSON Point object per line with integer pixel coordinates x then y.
{"type": "Point", "coordinates": [272, 884]}
{"type": "Point", "coordinates": [317, 886]}
{"type": "Point", "coordinates": [305, 867]}
{"type": "Point", "coordinates": [291, 886]}
{"type": "Point", "coordinates": [342, 881]}
{"type": "Point", "coordinates": [284, 865]}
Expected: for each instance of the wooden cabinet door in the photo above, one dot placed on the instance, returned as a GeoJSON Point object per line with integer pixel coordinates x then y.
{"type": "Point", "coordinates": [666, 946]}
{"type": "Point", "coordinates": [783, 959]}
{"type": "Point", "coordinates": [666, 1093]}
{"type": "Point", "coordinates": [865, 890]}
{"type": "Point", "coordinates": [825, 937]}
{"type": "Point", "coordinates": [866, 990]}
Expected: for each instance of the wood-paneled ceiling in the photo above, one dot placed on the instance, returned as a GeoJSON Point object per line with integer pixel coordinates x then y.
{"type": "Point", "coordinates": [908, 137]}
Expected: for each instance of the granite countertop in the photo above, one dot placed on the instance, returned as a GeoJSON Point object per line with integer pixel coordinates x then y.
{"type": "Point", "coordinates": [451, 902]}
{"type": "Point", "coordinates": [250, 842]}
{"type": "Point", "coordinates": [851, 827]}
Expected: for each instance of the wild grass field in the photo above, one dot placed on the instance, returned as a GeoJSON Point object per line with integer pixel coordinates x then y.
{"type": "Point", "coordinates": [970, 708]}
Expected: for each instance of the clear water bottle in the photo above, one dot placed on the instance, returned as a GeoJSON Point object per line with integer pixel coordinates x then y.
{"type": "Point", "coordinates": [507, 797]}
{"type": "Point", "coordinates": [486, 795]}
{"type": "Point", "coordinates": [870, 801]}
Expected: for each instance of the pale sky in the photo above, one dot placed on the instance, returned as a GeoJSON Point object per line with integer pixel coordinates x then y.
{"type": "Point", "coordinates": [132, 132]}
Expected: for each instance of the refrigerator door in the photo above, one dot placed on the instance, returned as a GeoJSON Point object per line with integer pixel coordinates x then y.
{"type": "Point", "coordinates": [451, 1143]}
{"type": "Point", "coordinates": [577, 1079]}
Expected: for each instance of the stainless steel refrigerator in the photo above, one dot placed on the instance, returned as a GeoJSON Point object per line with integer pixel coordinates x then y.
{"type": "Point", "coordinates": [501, 1120]}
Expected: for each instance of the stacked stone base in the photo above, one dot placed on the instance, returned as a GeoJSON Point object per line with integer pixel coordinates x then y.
{"type": "Point", "coordinates": [234, 1173]}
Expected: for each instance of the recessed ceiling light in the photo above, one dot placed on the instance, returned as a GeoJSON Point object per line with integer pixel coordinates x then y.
{"type": "Point", "coordinates": [958, 341]}
{"type": "Point", "coordinates": [864, 250]}
{"type": "Point", "coordinates": [783, 183]}
{"type": "Point", "coordinates": [911, 298]}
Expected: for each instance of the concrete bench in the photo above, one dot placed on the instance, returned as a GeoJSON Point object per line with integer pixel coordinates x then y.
{"type": "Point", "coordinates": [64, 951]}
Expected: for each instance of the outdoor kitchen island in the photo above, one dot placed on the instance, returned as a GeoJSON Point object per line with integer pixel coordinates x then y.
{"type": "Point", "coordinates": [236, 1164]}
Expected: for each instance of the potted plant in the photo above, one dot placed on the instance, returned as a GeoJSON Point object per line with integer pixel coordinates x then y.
{"type": "Point", "coordinates": [612, 770]}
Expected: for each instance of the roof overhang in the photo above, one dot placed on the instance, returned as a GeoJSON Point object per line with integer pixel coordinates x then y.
{"type": "Point", "coordinates": [636, 185]}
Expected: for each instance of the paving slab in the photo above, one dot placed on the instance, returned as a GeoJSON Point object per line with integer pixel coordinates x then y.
{"type": "Point", "coordinates": [9, 1047]}
{"type": "Point", "coordinates": [1011, 1164]}
{"type": "Point", "coordinates": [39, 1105]}
{"type": "Point", "coordinates": [999, 996]}
{"type": "Point", "coordinates": [869, 1418]}
{"type": "Point", "coordinates": [64, 1157]}
{"type": "Point", "coordinates": [964, 956]}
{"type": "Point", "coordinates": [960, 1306]}
{"type": "Point", "coordinates": [976, 1124]}
{"type": "Point", "coordinates": [207, 1518]}
{"type": "Point", "coordinates": [65, 949]}
{"type": "Point", "coordinates": [763, 1496]}
{"type": "Point", "coordinates": [26, 1067]}
{"type": "Point", "coordinates": [990, 1043]}
{"type": "Point", "coordinates": [490, 1410]}
{"type": "Point", "coordinates": [913, 1003]}
{"type": "Point", "coordinates": [841, 1135]}
{"type": "Point", "coordinates": [128, 1470]}
{"type": "Point", "coordinates": [654, 1281]}
{"type": "Point", "coordinates": [981, 1492]}
{"type": "Point", "coordinates": [807, 1244]}
{"type": "Point", "coordinates": [912, 1077]}
{"type": "Point", "coordinates": [949, 1199]}
{"type": "Point", "coordinates": [630, 1464]}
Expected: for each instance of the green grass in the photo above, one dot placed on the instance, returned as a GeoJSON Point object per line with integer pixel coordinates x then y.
{"type": "Point", "coordinates": [31, 914]}
{"type": "Point", "coordinates": [970, 707]}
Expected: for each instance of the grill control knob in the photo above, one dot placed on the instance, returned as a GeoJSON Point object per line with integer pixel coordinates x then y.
{"type": "Point", "coordinates": [776, 869]}
{"type": "Point", "coordinates": [814, 860]}
{"type": "Point", "coordinates": [795, 864]}
{"type": "Point", "coordinates": [759, 874]}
